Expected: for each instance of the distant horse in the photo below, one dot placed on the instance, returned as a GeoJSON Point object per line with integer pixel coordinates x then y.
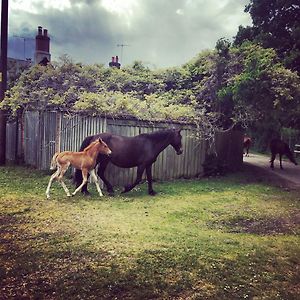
{"type": "Point", "coordinates": [246, 145]}
{"type": "Point", "coordinates": [84, 160]}
{"type": "Point", "coordinates": [277, 146]}
{"type": "Point", "coordinates": [140, 151]}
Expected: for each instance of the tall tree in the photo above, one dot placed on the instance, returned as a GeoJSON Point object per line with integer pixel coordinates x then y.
{"type": "Point", "coordinates": [276, 24]}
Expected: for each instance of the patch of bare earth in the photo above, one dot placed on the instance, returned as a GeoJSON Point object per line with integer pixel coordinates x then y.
{"type": "Point", "coordinates": [261, 226]}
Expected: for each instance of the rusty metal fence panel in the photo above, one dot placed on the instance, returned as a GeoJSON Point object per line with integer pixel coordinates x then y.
{"type": "Point", "coordinates": [48, 132]}
{"type": "Point", "coordinates": [32, 138]}
{"type": "Point", "coordinates": [11, 141]}
{"type": "Point", "coordinates": [47, 139]}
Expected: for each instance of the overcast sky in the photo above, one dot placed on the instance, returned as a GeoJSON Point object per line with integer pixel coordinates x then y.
{"type": "Point", "coordinates": [161, 33]}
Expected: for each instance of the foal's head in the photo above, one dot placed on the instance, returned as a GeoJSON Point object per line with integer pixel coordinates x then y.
{"type": "Point", "coordinates": [176, 141]}
{"type": "Point", "coordinates": [98, 146]}
{"type": "Point", "coordinates": [102, 147]}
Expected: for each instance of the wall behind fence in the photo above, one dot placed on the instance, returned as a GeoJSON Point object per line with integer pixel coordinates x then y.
{"type": "Point", "coordinates": [48, 132]}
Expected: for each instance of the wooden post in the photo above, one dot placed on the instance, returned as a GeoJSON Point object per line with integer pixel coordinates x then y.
{"type": "Point", "coordinates": [3, 77]}
{"type": "Point", "coordinates": [58, 132]}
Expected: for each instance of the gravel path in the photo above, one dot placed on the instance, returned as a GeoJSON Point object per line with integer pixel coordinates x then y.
{"type": "Point", "coordinates": [289, 177]}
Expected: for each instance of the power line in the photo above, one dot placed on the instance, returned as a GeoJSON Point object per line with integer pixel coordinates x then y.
{"type": "Point", "coordinates": [122, 46]}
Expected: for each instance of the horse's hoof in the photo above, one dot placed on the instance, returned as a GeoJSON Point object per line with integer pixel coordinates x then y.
{"type": "Point", "coordinates": [86, 193]}
{"type": "Point", "coordinates": [152, 193]}
{"type": "Point", "coordinates": [111, 194]}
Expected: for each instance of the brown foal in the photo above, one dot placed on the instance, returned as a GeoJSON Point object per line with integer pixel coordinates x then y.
{"type": "Point", "coordinates": [85, 161]}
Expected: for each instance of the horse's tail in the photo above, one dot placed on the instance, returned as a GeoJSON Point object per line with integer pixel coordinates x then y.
{"type": "Point", "coordinates": [53, 164]}
{"type": "Point", "coordinates": [77, 179]}
{"type": "Point", "coordinates": [290, 154]}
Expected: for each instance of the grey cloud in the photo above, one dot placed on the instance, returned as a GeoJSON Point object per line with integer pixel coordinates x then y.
{"type": "Point", "coordinates": [163, 33]}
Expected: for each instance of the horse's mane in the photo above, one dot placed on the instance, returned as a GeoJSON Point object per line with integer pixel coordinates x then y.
{"type": "Point", "coordinates": [90, 146]}
{"type": "Point", "coordinates": [158, 134]}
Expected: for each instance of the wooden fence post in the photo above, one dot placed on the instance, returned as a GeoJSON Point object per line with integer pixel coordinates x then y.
{"type": "Point", "coordinates": [58, 132]}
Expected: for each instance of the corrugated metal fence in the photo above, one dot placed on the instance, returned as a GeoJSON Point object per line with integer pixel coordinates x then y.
{"type": "Point", "coordinates": [39, 134]}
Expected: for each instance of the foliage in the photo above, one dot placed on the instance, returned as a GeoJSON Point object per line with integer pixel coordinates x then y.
{"type": "Point", "coordinates": [264, 90]}
{"type": "Point", "coordinates": [133, 91]}
{"type": "Point", "coordinates": [276, 24]}
{"type": "Point", "coordinates": [199, 239]}
{"type": "Point", "coordinates": [152, 107]}
{"type": "Point", "coordinates": [217, 90]}
{"type": "Point", "coordinates": [213, 166]}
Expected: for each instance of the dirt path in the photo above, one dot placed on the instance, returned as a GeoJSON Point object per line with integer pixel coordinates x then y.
{"type": "Point", "coordinates": [289, 177]}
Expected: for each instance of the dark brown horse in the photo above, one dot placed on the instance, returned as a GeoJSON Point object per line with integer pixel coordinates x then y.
{"type": "Point", "coordinates": [246, 145]}
{"type": "Point", "coordinates": [140, 151]}
{"type": "Point", "coordinates": [277, 146]}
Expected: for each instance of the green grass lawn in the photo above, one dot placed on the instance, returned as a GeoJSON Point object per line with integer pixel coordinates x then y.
{"type": "Point", "coordinates": [217, 238]}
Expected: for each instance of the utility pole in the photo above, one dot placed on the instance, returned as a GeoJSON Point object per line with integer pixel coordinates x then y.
{"type": "Point", "coordinates": [122, 46]}
{"type": "Point", "coordinates": [3, 77]}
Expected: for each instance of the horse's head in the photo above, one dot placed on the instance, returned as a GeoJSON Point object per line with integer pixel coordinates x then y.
{"type": "Point", "coordinates": [176, 141]}
{"type": "Point", "coordinates": [103, 148]}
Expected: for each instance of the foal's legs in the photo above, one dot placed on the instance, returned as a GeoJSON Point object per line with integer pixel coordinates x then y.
{"type": "Point", "coordinates": [53, 176]}
{"type": "Point", "coordinates": [60, 180]}
{"type": "Point", "coordinates": [84, 180]}
{"type": "Point", "coordinates": [58, 175]}
{"type": "Point", "coordinates": [94, 176]}
{"type": "Point", "coordinates": [78, 180]}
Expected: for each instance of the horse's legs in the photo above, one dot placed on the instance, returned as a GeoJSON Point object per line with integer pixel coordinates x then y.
{"type": "Point", "coordinates": [280, 159]}
{"type": "Point", "coordinates": [149, 179]}
{"type": "Point", "coordinates": [60, 179]}
{"type": "Point", "coordinates": [140, 171]}
{"type": "Point", "coordinates": [53, 176]}
{"type": "Point", "coordinates": [84, 180]}
{"type": "Point", "coordinates": [101, 169]}
{"type": "Point", "coordinates": [93, 174]}
{"type": "Point", "coordinates": [272, 160]}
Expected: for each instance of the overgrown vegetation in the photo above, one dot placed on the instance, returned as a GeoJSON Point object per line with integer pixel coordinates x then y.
{"type": "Point", "coordinates": [253, 83]}
{"type": "Point", "coordinates": [228, 238]}
{"type": "Point", "coordinates": [276, 25]}
{"type": "Point", "coordinates": [218, 89]}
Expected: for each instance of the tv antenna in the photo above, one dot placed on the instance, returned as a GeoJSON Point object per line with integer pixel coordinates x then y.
{"type": "Point", "coordinates": [122, 46]}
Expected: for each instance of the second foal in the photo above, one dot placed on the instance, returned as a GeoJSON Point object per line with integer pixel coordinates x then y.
{"type": "Point", "coordinates": [84, 160]}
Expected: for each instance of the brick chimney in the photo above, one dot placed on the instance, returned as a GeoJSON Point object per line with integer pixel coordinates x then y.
{"type": "Point", "coordinates": [115, 62]}
{"type": "Point", "coordinates": [42, 47]}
